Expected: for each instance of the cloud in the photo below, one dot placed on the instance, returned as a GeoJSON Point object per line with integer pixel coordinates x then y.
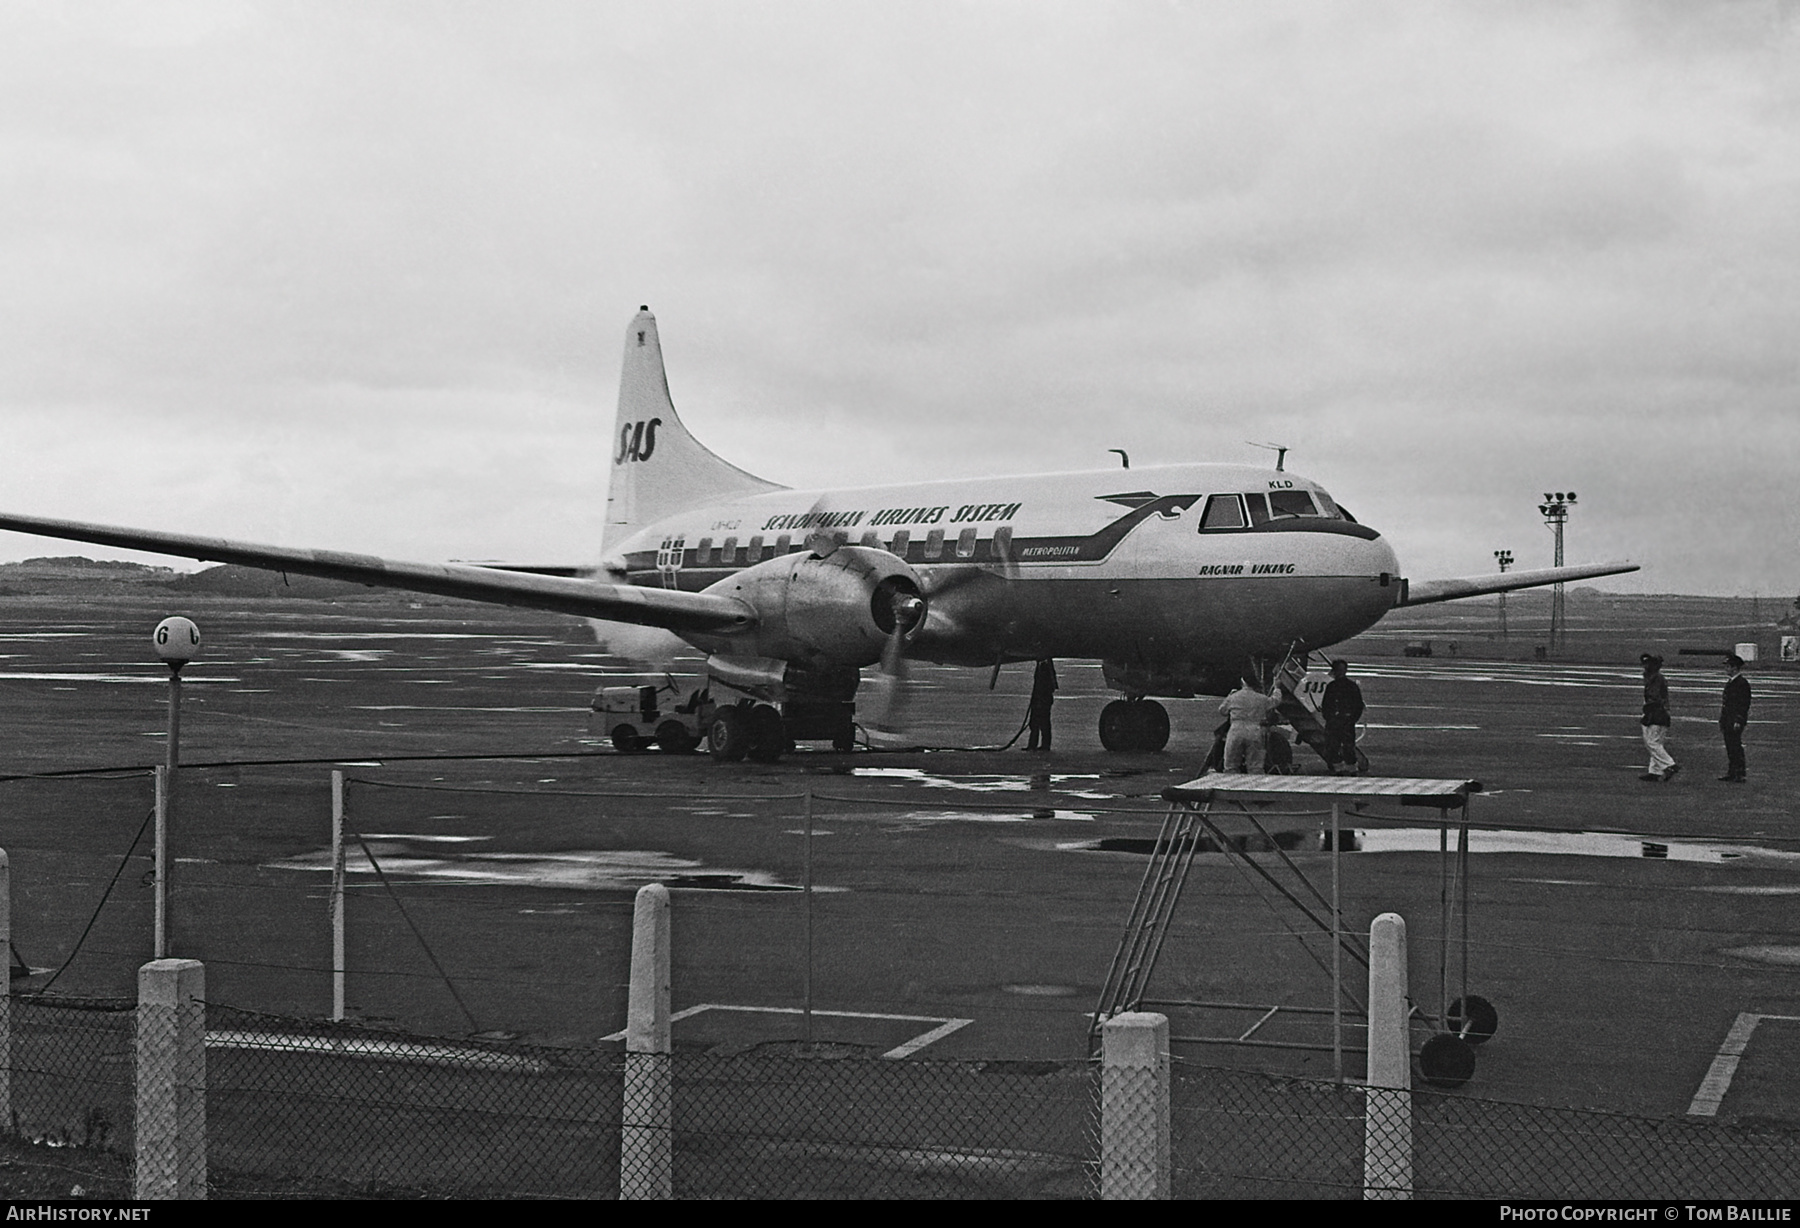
{"type": "Point", "coordinates": [1448, 254]}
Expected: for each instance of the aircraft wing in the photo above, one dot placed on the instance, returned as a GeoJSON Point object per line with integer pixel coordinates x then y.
{"type": "Point", "coordinates": [1422, 592]}
{"type": "Point", "coordinates": [625, 603]}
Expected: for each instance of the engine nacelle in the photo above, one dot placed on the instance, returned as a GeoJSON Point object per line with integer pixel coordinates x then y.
{"type": "Point", "coordinates": [839, 608]}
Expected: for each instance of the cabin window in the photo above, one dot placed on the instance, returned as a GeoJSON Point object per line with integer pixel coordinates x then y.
{"type": "Point", "coordinates": [1003, 543]}
{"type": "Point", "coordinates": [755, 549]}
{"type": "Point", "coordinates": [871, 539]}
{"type": "Point", "coordinates": [965, 543]}
{"type": "Point", "coordinates": [1223, 512]}
{"type": "Point", "coordinates": [902, 540]}
{"type": "Point", "coordinates": [934, 545]}
{"type": "Point", "coordinates": [704, 553]}
{"type": "Point", "coordinates": [729, 551]}
{"type": "Point", "coordinates": [1291, 503]}
{"type": "Point", "coordinates": [784, 544]}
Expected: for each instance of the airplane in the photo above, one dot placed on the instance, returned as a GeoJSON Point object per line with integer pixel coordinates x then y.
{"type": "Point", "coordinates": [1180, 579]}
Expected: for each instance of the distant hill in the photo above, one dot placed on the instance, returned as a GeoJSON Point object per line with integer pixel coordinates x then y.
{"type": "Point", "coordinates": [63, 574]}
{"type": "Point", "coordinates": [231, 580]}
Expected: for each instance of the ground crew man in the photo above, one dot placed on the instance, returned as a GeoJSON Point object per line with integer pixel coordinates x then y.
{"type": "Point", "coordinates": [1656, 720]}
{"type": "Point", "coordinates": [1342, 707]}
{"type": "Point", "coordinates": [1734, 714]}
{"type": "Point", "coordinates": [1247, 742]}
{"type": "Point", "coordinates": [1043, 698]}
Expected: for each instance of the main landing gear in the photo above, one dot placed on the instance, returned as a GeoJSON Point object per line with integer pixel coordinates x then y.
{"type": "Point", "coordinates": [747, 731]}
{"type": "Point", "coordinates": [1134, 725]}
{"type": "Point", "coordinates": [764, 733]}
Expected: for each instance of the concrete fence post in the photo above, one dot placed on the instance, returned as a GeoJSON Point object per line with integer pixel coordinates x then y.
{"type": "Point", "coordinates": [171, 1079]}
{"type": "Point", "coordinates": [1387, 1100]}
{"type": "Point", "coordinates": [6, 996]}
{"type": "Point", "coordinates": [1134, 1106]}
{"type": "Point", "coordinates": [647, 1139]}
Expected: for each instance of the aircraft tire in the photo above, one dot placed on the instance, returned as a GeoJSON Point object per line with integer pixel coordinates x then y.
{"type": "Point", "coordinates": [1447, 1060]}
{"type": "Point", "coordinates": [1475, 1023]}
{"type": "Point", "coordinates": [728, 737]}
{"type": "Point", "coordinates": [626, 740]}
{"type": "Point", "coordinates": [1153, 725]}
{"type": "Point", "coordinates": [768, 734]}
{"type": "Point", "coordinates": [673, 738]}
{"type": "Point", "coordinates": [1116, 727]}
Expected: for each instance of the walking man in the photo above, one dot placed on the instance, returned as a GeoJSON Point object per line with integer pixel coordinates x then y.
{"type": "Point", "coordinates": [1247, 742]}
{"type": "Point", "coordinates": [1734, 714]}
{"type": "Point", "coordinates": [1043, 698]}
{"type": "Point", "coordinates": [1656, 720]}
{"type": "Point", "coordinates": [1342, 707]}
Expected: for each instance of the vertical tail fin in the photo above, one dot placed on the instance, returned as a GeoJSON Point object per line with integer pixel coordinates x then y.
{"type": "Point", "coordinates": [657, 467]}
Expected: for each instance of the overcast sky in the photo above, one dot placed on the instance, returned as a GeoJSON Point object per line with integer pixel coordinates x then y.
{"type": "Point", "coordinates": [357, 275]}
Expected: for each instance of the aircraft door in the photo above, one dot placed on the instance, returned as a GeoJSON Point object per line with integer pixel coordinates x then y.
{"type": "Point", "coordinates": [668, 560]}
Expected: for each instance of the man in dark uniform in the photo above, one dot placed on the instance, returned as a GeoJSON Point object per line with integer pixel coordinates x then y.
{"type": "Point", "coordinates": [1341, 707]}
{"type": "Point", "coordinates": [1043, 698]}
{"type": "Point", "coordinates": [1734, 714]}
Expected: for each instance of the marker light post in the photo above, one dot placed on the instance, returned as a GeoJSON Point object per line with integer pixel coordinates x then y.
{"type": "Point", "coordinates": [176, 639]}
{"type": "Point", "coordinates": [1555, 511]}
{"type": "Point", "coordinates": [1504, 559]}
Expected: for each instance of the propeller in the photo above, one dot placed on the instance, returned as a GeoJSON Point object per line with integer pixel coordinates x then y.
{"type": "Point", "coordinates": [899, 609]}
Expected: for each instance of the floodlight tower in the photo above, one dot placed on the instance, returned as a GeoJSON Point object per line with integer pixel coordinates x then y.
{"type": "Point", "coordinates": [1504, 558]}
{"type": "Point", "coordinates": [1555, 511]}
{"type": "Point", "coordinates": [176, 639]}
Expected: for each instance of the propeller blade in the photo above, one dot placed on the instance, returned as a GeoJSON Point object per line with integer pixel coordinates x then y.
{"type": "Point", "coordinates": [886, 690]}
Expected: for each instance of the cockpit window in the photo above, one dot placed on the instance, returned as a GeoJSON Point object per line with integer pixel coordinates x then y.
{"type": "Point", "coordinates": [1290, 503]}
{"type": "Point", "coordinates": [1222, 512]}
{"type": "Point", "coordinates": [1259, 508]}
{"type": "Point", "coordinates": [1327, 505]}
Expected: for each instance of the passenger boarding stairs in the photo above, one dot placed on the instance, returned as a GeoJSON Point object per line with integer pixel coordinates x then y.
{"type": "Point", "coordinates": [1298, 694]}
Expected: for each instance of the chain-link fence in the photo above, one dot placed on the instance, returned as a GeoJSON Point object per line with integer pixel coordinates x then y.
{"type": "Point", "coordinates": [1240, 1134]}
{"type": "Point", "coordinates": [296, 1107]}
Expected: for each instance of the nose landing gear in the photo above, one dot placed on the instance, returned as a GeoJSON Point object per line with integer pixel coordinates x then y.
{"type": "Point", "coordinates": [1134, 725]}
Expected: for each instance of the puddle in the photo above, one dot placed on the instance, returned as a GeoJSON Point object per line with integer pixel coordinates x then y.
{"type": "Point", "coordinates": [1425, 840]}
{"type": "Point", "coordinates": [1039, 783]}
{"type": "Point", "coordinates": [579, 870]}
{"type": "Point", "coordinates": [155, 679]}
{"type": "Point", "coordinates": [922, 817]}
{"type": "Point", "coordinates": [1788, 957]}
{"type": "Point", "coordinates": [378, 635]}
{"type": "Point", "coordinates": [407, 835]}
{"type": "Point", "coordinates": [1575, 844]}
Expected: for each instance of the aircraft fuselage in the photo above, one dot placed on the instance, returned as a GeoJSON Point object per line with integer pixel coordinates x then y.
{"type": "Point", "coordinates": [1165, 567]}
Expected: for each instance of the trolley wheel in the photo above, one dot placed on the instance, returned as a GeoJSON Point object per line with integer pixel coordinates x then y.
{"type": "Point", "coordinates": [674, 738]}
{"type": "Point", "coordinates": [626, 740]}
{"type": "Point", "coordinates": [1447, 1060]}
{"type": "Point", "coordinates": [1475, 1023]}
